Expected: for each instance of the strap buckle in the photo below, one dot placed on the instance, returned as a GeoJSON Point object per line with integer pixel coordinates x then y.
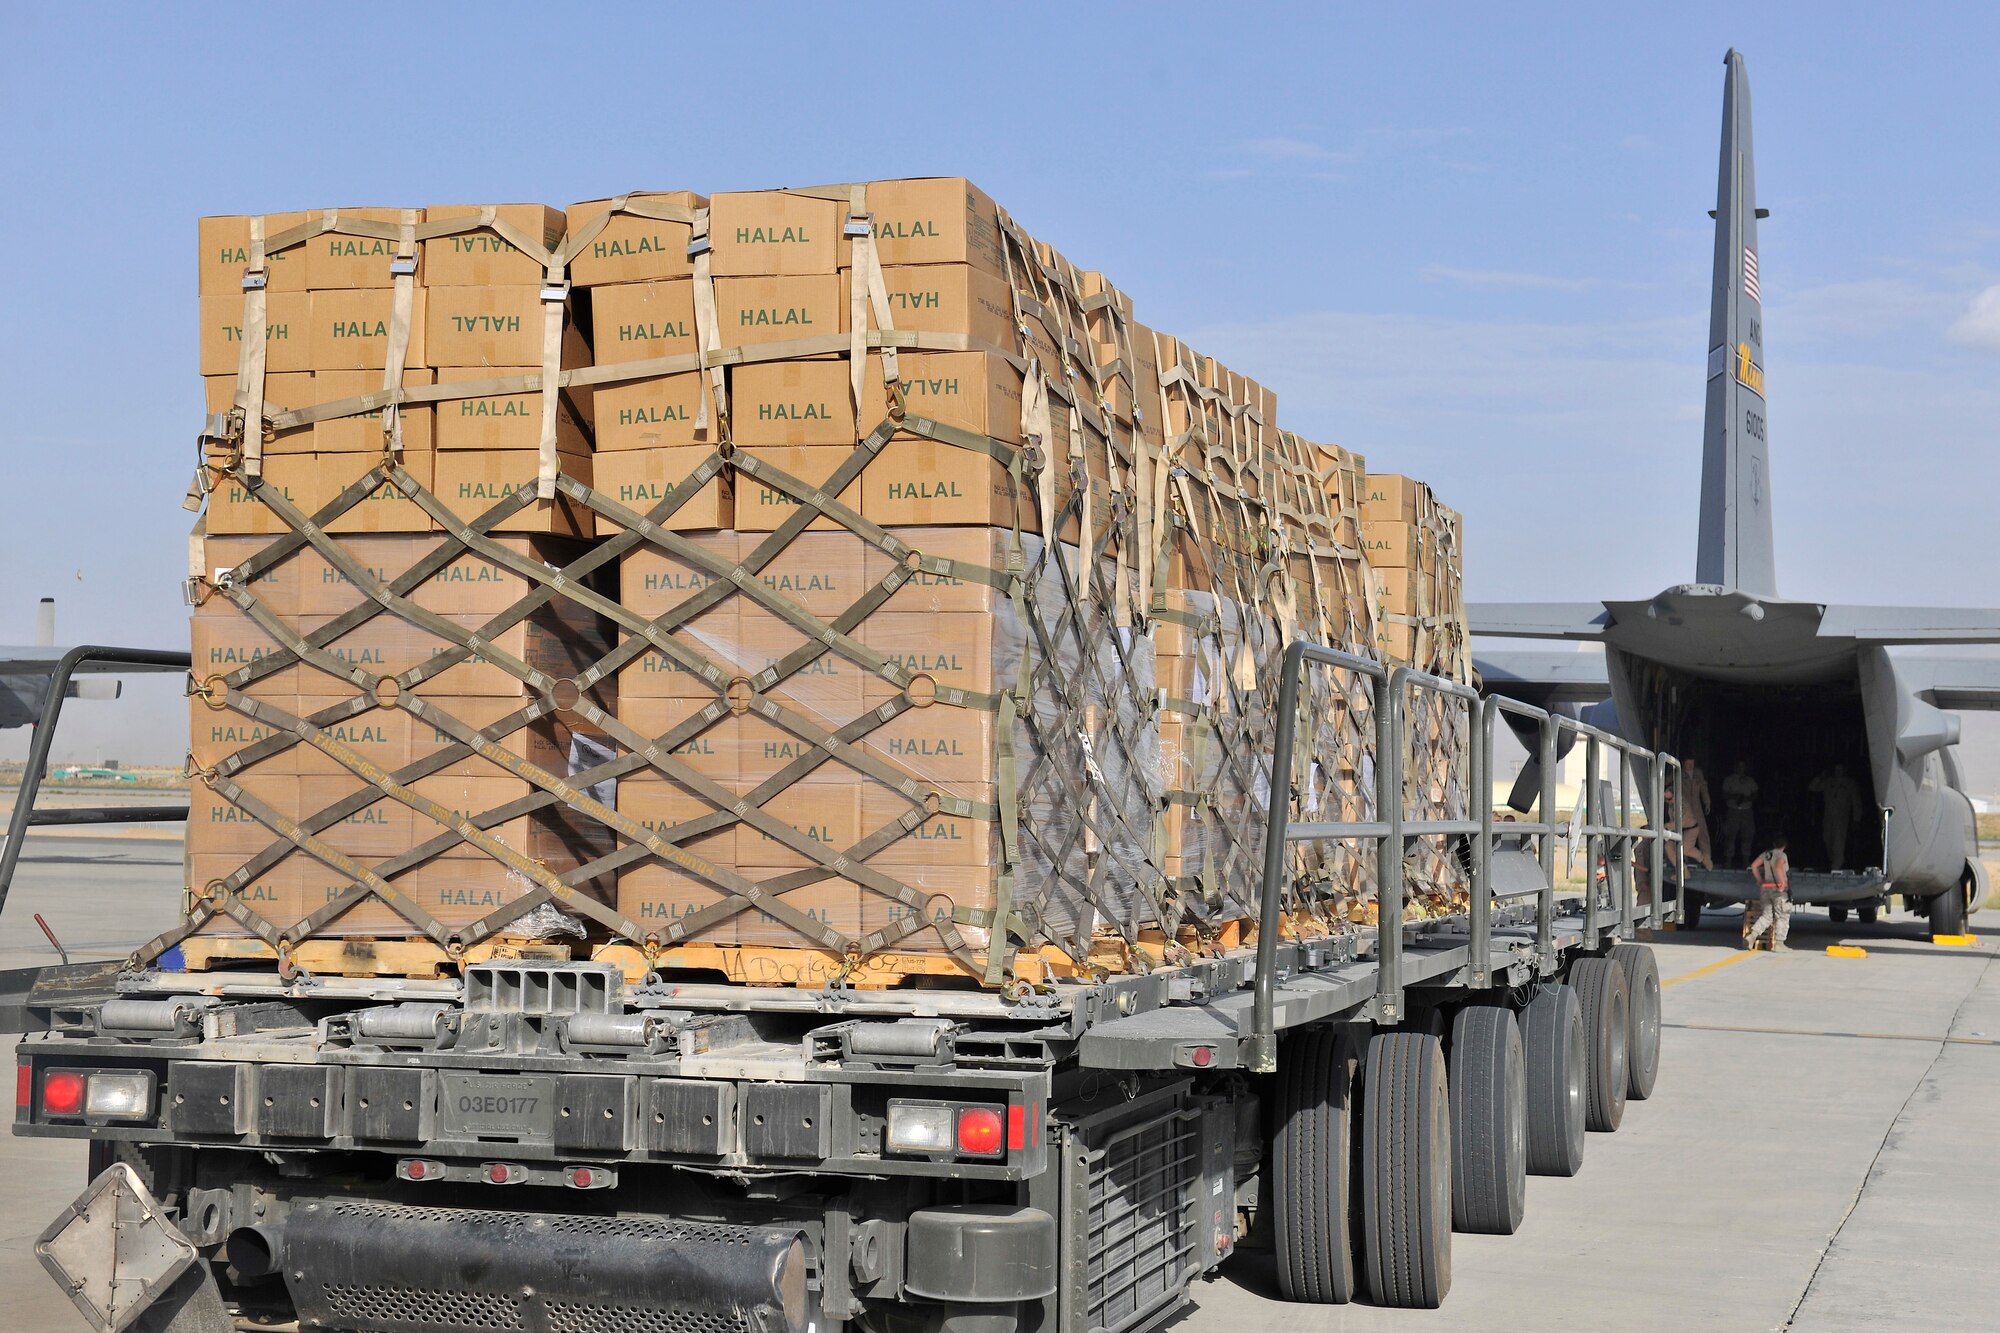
{"type": "Point", "coordinates": [858, 226]}
{"type": "Point", "coordinates": [403, 266]}
{"type": "Point", "coordinates": [254, 279]}
{"type": "Point", "coordinates": [553, 292]}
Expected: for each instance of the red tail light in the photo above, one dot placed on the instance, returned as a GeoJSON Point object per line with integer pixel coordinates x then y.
{"type": "Point", "coordinates": [981, 1132]}
{"type": "Point", "coordinates": [24, 1085]}
{"type": "Point", "coordinates": [62, 1093]}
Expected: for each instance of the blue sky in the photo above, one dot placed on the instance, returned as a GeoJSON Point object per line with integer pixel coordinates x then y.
{"type": "Point", "coordinates": [1473, 245]}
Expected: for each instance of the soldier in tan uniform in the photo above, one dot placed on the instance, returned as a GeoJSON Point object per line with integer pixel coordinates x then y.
{"type": "Point", "coordinates": [1774, 906]}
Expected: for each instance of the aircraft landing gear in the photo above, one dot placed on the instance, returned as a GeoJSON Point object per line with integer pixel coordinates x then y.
{"type": "Point", "coordinates": [1948, 912]}
{"type": "Point", "coordinates": [1836, 913]}
{"type": "Point", "coordinates": [1869, 913]}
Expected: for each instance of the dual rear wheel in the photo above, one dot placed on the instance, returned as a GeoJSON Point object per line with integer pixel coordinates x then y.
{"type": "Point", "coordinates": [1386, 1143]}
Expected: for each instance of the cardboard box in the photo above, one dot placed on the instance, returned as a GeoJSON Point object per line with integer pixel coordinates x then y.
{"type": "Point", "coordinates": [217, 827]}
{"type": "Point", "coordinates": [1390, 499]}
{"type": "Point", "coordinates": [234, 508]}
{"type": "Point", "coordinates": [761, 506]}
{"type": "Point", "coordinates": [792, 403]}
{"type": "Point", "coordinates": [827, 814]}
{"type": "Point", "coordinates": [482, 258]}
{"type": "Point", "coordinates": [225, 254]}
{"type": "Point", "coordinates": [756, 311]}
{"type": "Point", "coordinates": [938, 746]}
{"type": "Point", "coordinates": [363, 434]}
{"type": "Point", "coordinates": [921, 482]}
{"type": "Point", "coordinates": [658, 413]}
{"type": "Point", "coordinates": [832, 904]}
{"type": "Point", "coordinates": [970, 549]}
{"type": "Point", "coordinates": [1398, 590]}
{"type": "Point", "coordinates": [954, 651]}
{"type": "Point", "coordinates": [642, 321]}
{"type": "Point", "coordinates": [471, 483]}
{"type": "Point", "coordinates": [485, 326]}
{"type": "Point", "coordinates": [642, 479]}
{"type": "Point", "coordinates": [941, 839]}
{"type": "Point", "coordinates": [820, 572]}
{"type": "Point", "coordinates": [279, 589]}
{"type": "Point", "coordinates": [631, 248]}
{"type": "Point", "coordinates": [214, 734]}
{"type": "Point", "coordinates": [943, 298]}
{"type": "Point", "coordinates": [767, 232]}
{"type": "Point", "coordinates": [385, 509]}
{"type": "Point", "coordinates": [284, 391]}
{"type": "Point", "coordinates": [711, 638]}
{"type": "Point", "coordinates": [659, 896]}
{"type": "Point", "coordinates": [337, 261]}
{"type": "Point", "coordinates": [287, 333]}
{"type": "Point", "coordinates": [497, 422]}
{"type": "Point", "coordinates": [558, 643]}
{"type": "Point", "coordinates": [224, 640]}
{"type": "Point", "coordinates": [653, 582]}
{"type": "Point", "coordinates": [663, 805]}
{"type": "Point", "coordinates": [349, 329]}
{"type": "Point", "coordinates": [933, 220]}
{"type": "Point", "coordinates": [975, 391]}
{"type": "Point", "coordinates": [706, 748]}
{"type": "Point", "coordinates": [1392, 545]}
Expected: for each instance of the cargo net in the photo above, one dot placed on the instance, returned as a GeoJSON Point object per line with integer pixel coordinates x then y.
{"type": "Point", "coordinates": [1438, 749]}
{"type": "Point", "coordinates": [1138, 591]}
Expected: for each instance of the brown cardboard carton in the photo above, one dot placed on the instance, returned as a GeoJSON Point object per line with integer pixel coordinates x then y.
{"type": "Point", "coordinates": [218, 827]}
{"type": "Point", "coordinates": [363, 434]}
{"type": "Point", "coordinates": [1398, 589]}
{"type": "Point", "coordinates": [792, 403]}
{"type": "Point", "coordinates": [281, 895]}
{"type": "Point", "coordinates": [951, 749]}
{"type": "Point", "coordinates": [225, 254]}
{"type": "Point", "coordinates": [652, 582]}
{"type": "Point", "coordinates": [766, 232]}
{"type": "Point", "coordinates": [349, 329]}
{"type": "Point", "coordinates": [1390, 545]}
{"type": "Point", "coordinates": [830, 905]}
{"type": "Point", "coordinates": [761, 505]}
{"type": "Point", "coordinates": [214, 734]}
{"type": "Point", "coordinates": [947, 887]}
{"type": "Point", "coordinates": [224, 640]}
{"type": "Point", "coordinates": [484, 326]}
{"type": "Point", "coordinates": [942, 839]}
{"type": "Point", "coordinates": [631, 248]}
{"type": "Point", "coordinates": [658, 413]}
{"type": "Point", "coordinates": [953, 651]}
{"type": "Point", "coordinates": [663, 806]}
{"type": "Point", "coordinates": [280, 589]}
{"type": "Point", "coordinates": [556, 644]}
{"type": "Point", "coordinates": [699, 674]}
{"type": "Point", "coordinates": [471, 483]}
{"type": "Point", "coordinates": [973, 551]}
{"type": "Point", "coordinates": [336, 260]}
{"type": "Point", "coordinates": [827, 814]}
{"type": "Point", "coordinates": [975, 391]}
{"type": "Point", "coordinates": [659, 896]}
{"type": "Point", "coordinates": [943, 298]}
{"type": "Point", "coordinates": [234, 508]}
{"type": "Point", "coordinates": [933, 220]}
{"type": "Point", "coordinates": [642, 479]}
{"type": "Point", "coordinates": [642, 321]}
{"type": "Point", "coordinates": [284, 391]}
{"type": "Point", "coordinates": [287, 333]}
{"type": "Point", "coordinates": [1390, 499]}
{"type": "Point", "coordinates": [921, 482]}
{"type": "Point", "coordinates": [386, 508]}
{"type": "Point", "coordinates": [703, 747]}
{"type": "Point", "coordinates": [482, 258]}
{"type": "Point", "coordinates": [503, 421]}
{"type": "Point", "coordinates": [755, 311]}
{"type": "Point", "coordinates": [819, 572]}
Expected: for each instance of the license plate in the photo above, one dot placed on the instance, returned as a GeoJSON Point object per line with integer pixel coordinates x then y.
{"type": "Point", "coordinates": [499, 1106]}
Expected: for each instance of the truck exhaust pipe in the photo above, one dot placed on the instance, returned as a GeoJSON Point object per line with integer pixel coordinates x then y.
{"type": "Point", "coordinates": [257, 1252]}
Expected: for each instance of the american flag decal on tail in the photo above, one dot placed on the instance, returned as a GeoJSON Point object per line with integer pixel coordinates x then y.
{"type": "Point", "coordinates": [1750, 274]}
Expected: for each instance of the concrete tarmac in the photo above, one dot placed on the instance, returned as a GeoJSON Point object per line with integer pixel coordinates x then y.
{"type": "Point", "coordinates": [1819, 1153]}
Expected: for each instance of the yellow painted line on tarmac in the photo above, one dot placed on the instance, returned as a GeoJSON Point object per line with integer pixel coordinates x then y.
{"type": "Point", "coordinates": [1815, 1032]}
{"type": "Point", "coordinates": [1717, 965]}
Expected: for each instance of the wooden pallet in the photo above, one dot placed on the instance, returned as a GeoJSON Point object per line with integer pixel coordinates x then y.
{"type": "Point", "coordinates": [415, 958]}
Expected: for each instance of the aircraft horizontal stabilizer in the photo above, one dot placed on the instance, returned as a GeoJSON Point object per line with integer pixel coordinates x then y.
{"type": "Point", "coordinates": [1539, 620]}
{"type": "Point", "coordinates": [1543, 679]}
{"type": "Point", "coordinates": [1959, 684]}
{"type": "Point", "coordinates": [1911, 624]}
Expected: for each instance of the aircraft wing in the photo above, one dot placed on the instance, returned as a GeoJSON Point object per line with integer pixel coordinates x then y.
{"type": "Point", "coordinates": [1539, 620]}
{"type": "Point", "coordinates": [1911, 624]}
{"type": "Point", "coordinates": [1957, 684]}
{"type": "Point", "coordinates": [1543, 679]}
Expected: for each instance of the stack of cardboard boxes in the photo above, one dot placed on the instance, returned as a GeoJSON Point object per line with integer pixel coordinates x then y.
{"type": "Point", "coordinates": [949, 598]}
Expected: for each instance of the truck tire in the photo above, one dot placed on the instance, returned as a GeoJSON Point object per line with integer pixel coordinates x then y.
{"type": "Point", "coordinates": [1406, 1171]}
{"type": "Point", "coordinates": [1312, 1167]}
{"type": "Point", "coordinates": [1607, 1019]}
{"type": "Point", "coordinates": [1489, 1122]}
{"type": "Point", "coordinates": [1642, 1041]}
{"type": "Point", "coordinates": [1948, 912]}
{"type": "Point", "coordinates": [1552, 1040]}
{"type": "Point", "coordinates": [1690, 910]}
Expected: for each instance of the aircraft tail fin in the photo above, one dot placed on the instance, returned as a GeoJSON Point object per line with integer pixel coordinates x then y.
{"type": "Point", "coordinates": [1734, 549]}
{"type": "Point", "coordinates": [45, 623]}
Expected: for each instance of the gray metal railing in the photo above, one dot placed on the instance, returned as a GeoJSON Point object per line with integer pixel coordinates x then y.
{"type": "Point", "coordinates": [1393, 832]}
{"type": "Point", "coordinates": [133, 660]}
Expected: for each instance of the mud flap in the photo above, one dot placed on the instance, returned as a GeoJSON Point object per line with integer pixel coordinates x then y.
{"type": "Point", "coordinates": [114, 1251]}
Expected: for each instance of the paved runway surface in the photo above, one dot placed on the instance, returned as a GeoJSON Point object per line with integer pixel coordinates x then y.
{"type": "Point", "coordinates": [1820, 1153]}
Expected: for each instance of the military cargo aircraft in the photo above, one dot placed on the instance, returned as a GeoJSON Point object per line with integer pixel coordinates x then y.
{"type": "Point", "coordinates": [26, 670]}
{"type": "Point", "coordinates": [1724, 669]}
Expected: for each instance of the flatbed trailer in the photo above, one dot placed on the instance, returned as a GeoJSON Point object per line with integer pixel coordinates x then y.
{"type": "Point", "coordinates": [543, 1146]}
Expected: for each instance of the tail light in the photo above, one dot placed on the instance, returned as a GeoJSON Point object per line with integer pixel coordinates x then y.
{"type": "Point", "coordinates": [97, 1094]}
{"type": "Point", "coordinates": [62, 1093]}
{"type": "Point", "coordinates": [946, 1130]}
